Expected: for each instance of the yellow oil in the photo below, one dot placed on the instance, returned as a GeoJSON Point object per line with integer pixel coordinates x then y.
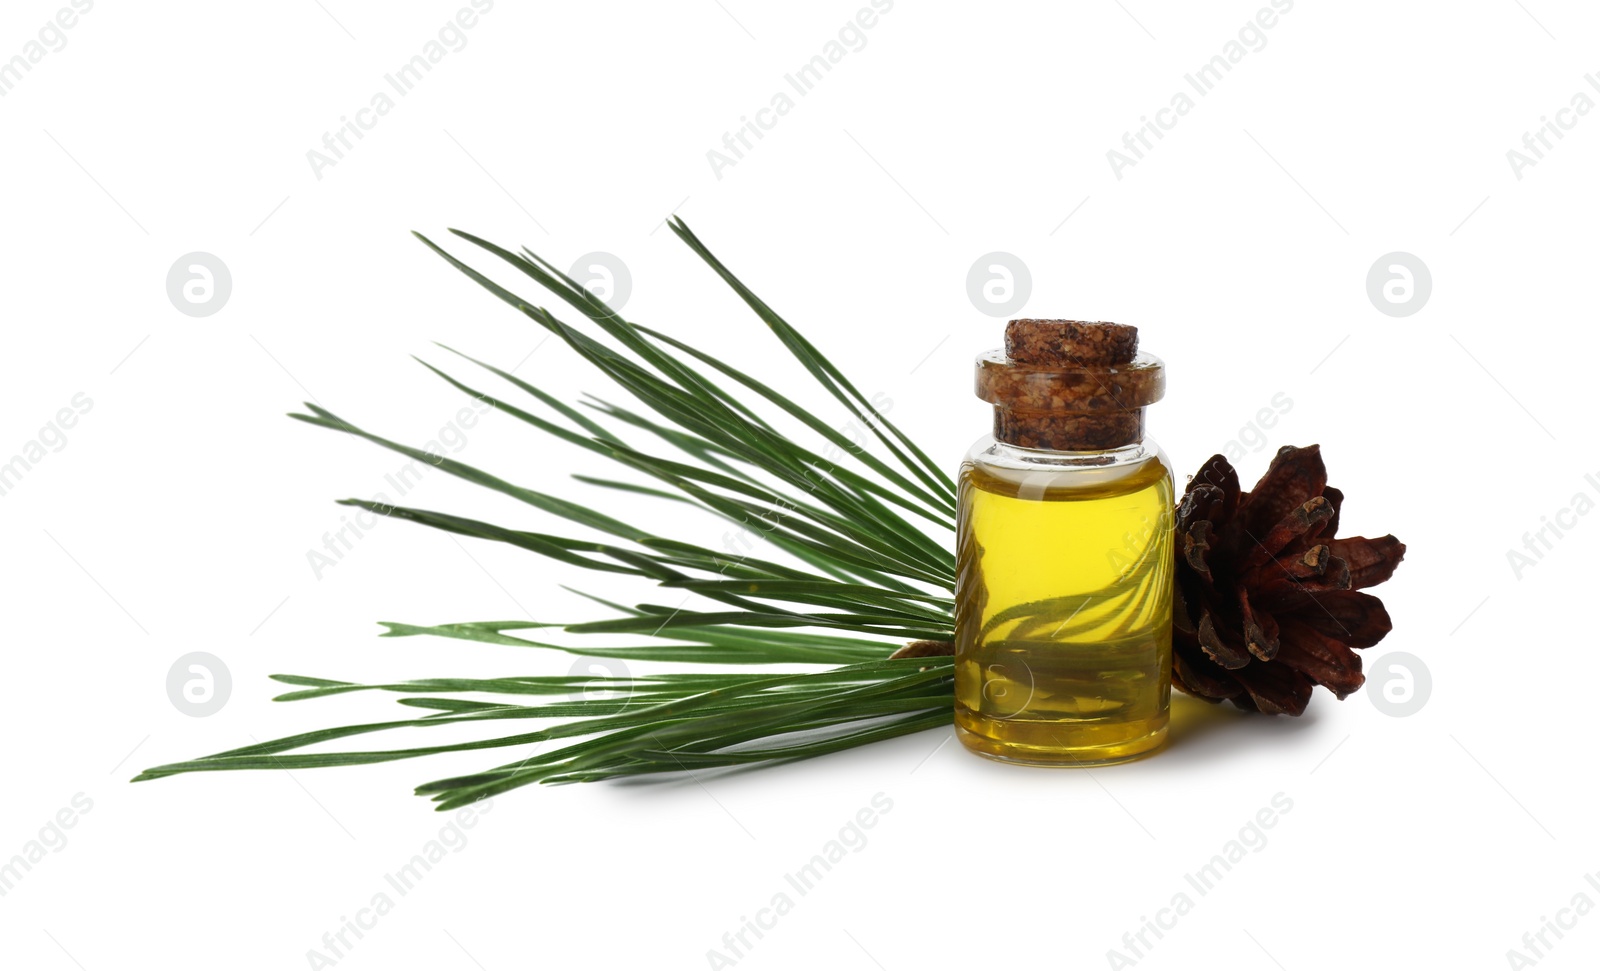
{"type": "Point", "coordinates": [1064, 613]}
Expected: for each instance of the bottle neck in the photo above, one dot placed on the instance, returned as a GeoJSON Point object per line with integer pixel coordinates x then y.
{"type": "Point", "coordinates": [995, 453]}
{"type": "Point", "coordinates": [1068, 432]}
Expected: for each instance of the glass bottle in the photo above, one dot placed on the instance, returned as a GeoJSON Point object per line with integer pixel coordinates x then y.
{"type": "Point", "coordinates": [1064, 555]}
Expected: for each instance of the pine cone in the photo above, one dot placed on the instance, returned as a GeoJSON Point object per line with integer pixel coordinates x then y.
{"type": "Point", "coordinates": [1267, 602]}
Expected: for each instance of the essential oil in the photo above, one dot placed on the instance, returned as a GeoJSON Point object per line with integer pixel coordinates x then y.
{"type": "Point", "coordinates": [1064, 555]}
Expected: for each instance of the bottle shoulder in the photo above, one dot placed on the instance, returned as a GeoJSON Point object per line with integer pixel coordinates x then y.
{"type": "Point", "coordinates": [996, 466]}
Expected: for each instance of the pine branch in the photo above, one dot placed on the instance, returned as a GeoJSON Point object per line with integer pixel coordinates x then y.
{"type": "Point", "coordinates": [870, 575]}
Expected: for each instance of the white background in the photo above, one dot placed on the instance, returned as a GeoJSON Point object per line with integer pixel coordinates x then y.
{"type": "Point", "coordinates": [179, 513]}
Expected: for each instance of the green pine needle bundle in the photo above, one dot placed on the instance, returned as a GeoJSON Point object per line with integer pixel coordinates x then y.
{"type": "Point", "coordinates": [871, 576]}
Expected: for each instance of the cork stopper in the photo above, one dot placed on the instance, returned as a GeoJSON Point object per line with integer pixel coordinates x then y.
{"type": "Point", "coordinates": [1069, 385]}
{"type": "Point", "coordinates": [1066, 343]}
